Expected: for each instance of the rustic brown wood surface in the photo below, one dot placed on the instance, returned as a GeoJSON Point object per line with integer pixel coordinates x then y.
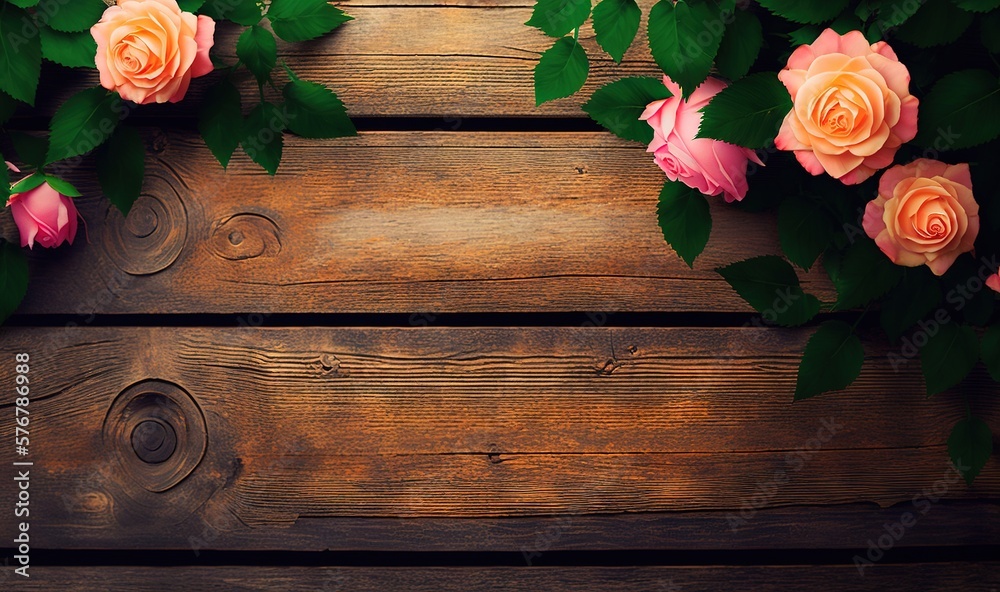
{"type": "Point", "coordinates": [420, 58]}
{"type": "Point", "coordinates": [189, 435]}
{"type": "Point", "coordinates": [943, 577]}
{"type": "Point", "coordinates": [306, 424]}
{"type": "Point", "coordinates": [397, 222]}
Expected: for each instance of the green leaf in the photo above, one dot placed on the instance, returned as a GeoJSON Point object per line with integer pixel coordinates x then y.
{"type": "Point", "coordinates": [8, 106]}
{"type": "Point", "coordinates": [13, 278]}
{"type": "Point", "coordinates": [73, 16]}
{"type": "Point", "coordinates": [73, 50]}
{"type": "Point", "coordinates": [864, 273]}
{"type": "Point", "coordinates": [83, 123]}
{"type": "Point", "coordinates": [892, 13]}
{"type": "Point", "coordinates": [257, 49]}
{"type": "Point", "coordinates": [805, 230]}
{"type": "Point", "coordinates": [28, 183]}
{"type": "Point", "coordinates": [23, 3]}
{"type": "Point", "coordinates": [804, 35]}
{"type": "Point", "coordinates": [970, 445]}
{"type": "Point", "coordinates": [959, 111]}
{"type": "Point", "coordinates": [769, 284]}
{"type": "Point", "coordinates": [262, 136]}
{"type": "Point", "coordinates": [190, 5]}
{"type": "Point", "coordinates": [302, 20]}
{"type": "Point", "coordinates": [685, 220]}
{"type": "Point", "coordinates": [832, 360]}
{"type": "Point", "coordinates": [748, 112]}
{"type": "Point", "coordinates": [989, 31]}
{"type": "Point", "coordinates": [918, 295]}
{"type": "Point", "coordinates": [556, 18]}
{"type": "Point", "coordinates": [121, 165]}
{"type": "Point", "coordinates": [30, 149]}
{"type": "Point", "coordinates": [684, 39]}
{"type": "Point", "coordinates": [808, 12]}
{"type": "Point", "coordinates": [315, 111]}
{"type": "Point", "coordinates": [221, 121]}
{"type": "Point", "coordinates": [938, 22]}
{"type": "Point", "coordinates": [991, 351]}
{"type": "Point", "coordinates": [62, 186]}
{"type": "Point", "coordinates": [740, 45]}
{"type": "Point", "coordinates": [4, 183]}
{"type": "Point", "coordinates": [561, 71]}
{"type": "Point", "coordinates": [618, 105]}
{"type": "Point", "coordinates": [616, 23]}
{"type": "Point", "coordinates": [949, 356]}
{"type": "Point", "coordinates": [20, 55]}
{"type": "Point", "coordinates": [977, 5]}
{"type": "Point", "coordinates": [243, 12]}
{"type": "Point", "coordinates": [846, 23]}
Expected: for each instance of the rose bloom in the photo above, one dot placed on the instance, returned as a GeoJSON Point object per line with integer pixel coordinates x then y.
{"type": "Point", "coordinates": [994, 281]}
{"type": "Point", "coordinates": [924, 214]}
{"type": "Point", "coordinates": [149, 50]}
{"type": "Point", "coordinates": [43, 215]}
{"type": "Point", "coordinates": [852, 106]}
{"type": "Point", "coordinates": [710, 166]}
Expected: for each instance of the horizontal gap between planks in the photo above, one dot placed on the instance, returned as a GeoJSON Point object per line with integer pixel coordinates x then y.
{"type": "Point", "coordinates": [421, 319]}
{"type": "Point", "coordinates": [790, 557]}
{"type": "Point", "coordinates": [454, 123]}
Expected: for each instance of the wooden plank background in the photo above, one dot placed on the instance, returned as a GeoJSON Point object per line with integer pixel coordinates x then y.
{"type": "Point", "coordinates": [398, 440]}
{"type": "Point", "coordinates": [424, 58]}
{"type": "Point", "coordinates": [397, 222]}
{"type": "Point", "coordinates": [927, 577]}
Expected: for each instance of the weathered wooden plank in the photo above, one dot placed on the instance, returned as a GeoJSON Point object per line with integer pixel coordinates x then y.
{"type": "Point", "coordinates": [397, 222]}
{"type": "Point", "coordinates": [307, 424]}
{"type": "Point", "coordinates": [928, 577]}
{"type": "Point", "coordinates": [419, 59]}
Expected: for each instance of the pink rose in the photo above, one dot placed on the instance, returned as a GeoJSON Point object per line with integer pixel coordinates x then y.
{"type": "Point", "coordinates": [149, 50]}
{"type": "Point", "coordinates": [925, 214]}
{"type": "Point", "coordinates": [710, 166]}
{"type": "Point", "coordinates": [43, 214]}
{"type": "Point", "coordinates": [994, 281]}
{"type": "Point", "coordinates": [852, 106]}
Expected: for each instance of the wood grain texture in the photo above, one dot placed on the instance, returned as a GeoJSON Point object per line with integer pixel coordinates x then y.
{"type": "Point", "coordinates": [311, 424]}
{"type": "Point", "coordinates": [396, 222]}
{"type": "Point", "coordinates": [927, 577]}
{"type": "Point", "coordinates": [416, 59]}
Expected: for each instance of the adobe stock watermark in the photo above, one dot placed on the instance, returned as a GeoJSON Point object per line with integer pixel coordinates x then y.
{"type": "Point", "coordinates": [901, 11]}
{"type": "Point", "coordinates": [546, 539]}
{"type": "Point", "coordinates": [711, 32]}
{"type": "Point", "coordinates": [958, 297]}
{"type": "Point", "coordinates": [765, 491]}
{"type": "Point", "coordinates": [922, 503]}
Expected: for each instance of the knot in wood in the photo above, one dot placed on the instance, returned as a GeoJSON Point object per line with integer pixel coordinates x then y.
{"type": "Point", "coordinates": [245, 236]}
{"type": "Point", "coordinates": [154, 441]}
{"type": "Point", "coordinates": [157, 433]}
{"type": "Point", "coordinates": [152, 236]}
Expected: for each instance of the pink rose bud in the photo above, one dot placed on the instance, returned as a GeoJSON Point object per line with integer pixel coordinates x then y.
{"type": "Point", "coordinates": [709, 166]}
{"type": "Point", "coordinates": [44, 215]}
{"type": "Point", "coordinates": [852, 106]}
{"type": "Point", "coordinates": [925, 214]}
{"type": "Point", "coordinates": [149, 50]}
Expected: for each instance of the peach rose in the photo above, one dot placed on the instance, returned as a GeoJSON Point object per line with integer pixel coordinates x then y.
{"type": "Point", "coordinates": [149, 50]}
{"type": "Point", "coordinates": [852, 106]}
{"type": "Point", "coordinates": [43, 214]}
{"type": "Point", "coordinates": [710, 166]}
{"type": "Point", "coordinates": [994, 281]}
{"type": "Point", "coordinates": [924, 214]}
